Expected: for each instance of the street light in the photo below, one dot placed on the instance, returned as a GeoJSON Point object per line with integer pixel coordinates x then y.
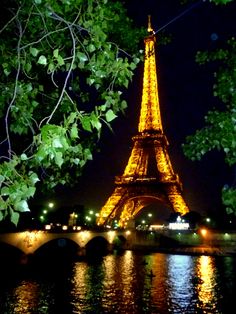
{"type": "Point", "coordinates": [50, 204]}
{"type": "Point", "coordinates": [203, 232]}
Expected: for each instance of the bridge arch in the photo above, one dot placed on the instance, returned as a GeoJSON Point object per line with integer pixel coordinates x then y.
{"type": "Point", "coordinates": [10, 254]}
{"type": "Point", "coordinates": [139, 207]}
{"type": "Point", "coordinates": [56, 250]}
{"type": "Point", "coordinates": [119, 242]}
{"type": "Point", "coordinates": [98, 246]}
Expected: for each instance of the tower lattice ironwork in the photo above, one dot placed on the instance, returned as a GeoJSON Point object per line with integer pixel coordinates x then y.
{"type": "Point", "coordinates": [149, 175]}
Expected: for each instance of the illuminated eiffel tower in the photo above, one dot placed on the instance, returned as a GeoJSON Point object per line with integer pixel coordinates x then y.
{"type": "Point", "coordinates": [149, 175]}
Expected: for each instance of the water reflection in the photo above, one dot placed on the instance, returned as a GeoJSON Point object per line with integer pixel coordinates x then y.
{"type": "Point", "coordinates": [179, 275]}
{"type": "Point", "coordinates": [128, 279]}
{"type": "Point", "coordinates": [206, 288]}
{"type": "Point", "coordinates": [78, 290]}
{"type": "Point", "coordinates": [26, 298]}
{"type": "Point", "coordinates": [123, 284]}
{"type": "Point", "coordinates": [159, 283]}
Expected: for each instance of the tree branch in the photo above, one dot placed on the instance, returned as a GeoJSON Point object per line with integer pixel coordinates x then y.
{"type": "Point", "coordinates": [15, 90]}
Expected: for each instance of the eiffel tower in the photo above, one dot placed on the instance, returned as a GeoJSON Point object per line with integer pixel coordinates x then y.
{"type": "Point", "coordinates": [149, 175]}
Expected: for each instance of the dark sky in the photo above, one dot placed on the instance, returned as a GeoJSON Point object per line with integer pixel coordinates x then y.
{"type": "Point", "coordinates": [185, 91]}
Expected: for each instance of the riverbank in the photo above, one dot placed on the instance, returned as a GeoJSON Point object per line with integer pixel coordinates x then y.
{"type": "Point", "coordinates": [189, 250]}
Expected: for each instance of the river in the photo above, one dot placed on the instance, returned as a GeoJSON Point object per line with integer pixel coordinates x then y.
{"type": "Point", "coordinates": [129, 282]}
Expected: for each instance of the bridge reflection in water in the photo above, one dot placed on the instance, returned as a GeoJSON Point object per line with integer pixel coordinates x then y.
{"type": "Point", "coordinates": [122, 283]}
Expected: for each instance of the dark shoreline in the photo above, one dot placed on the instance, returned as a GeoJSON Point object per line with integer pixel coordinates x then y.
{"type": "Point", "coordinates": [188, 250]}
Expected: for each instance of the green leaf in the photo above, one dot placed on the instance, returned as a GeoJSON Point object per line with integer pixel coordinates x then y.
{"type": "Point", "coordinates": [2, 178]}
{"type": "Point", "coordinates": [110, 115]}
{"type": "Point", "coordinates": [55, 53]}
{"type": "Point", "coordinates": [5, 191]}
{"type": "Point", "coordinates": [86, 123]}
{"type": "Point", "coordinates": [91, 48]}
{"type": "Point", "coordinates": [96, 123]}
{"type": "Point", "coordinates": [60, 60]}
{"type": "Point", "coordinates": [42, 60]}
{"type": "Point", "coordinates": [28, 67]}
{"type": "Point", "coordinates": [71, 118]}
{"type": "Point", "coordinates": [90, 80]}
{"type": "Point", "coordinates": [74, 131]}
{"type": "Point", "coordinates": [41, 88]}
{"type": "Point", "coordinates": [15, 218]}
{"type": "Point", "coordinates": [23, 157]}
{"type": "Point", "coordinates": [51, 67]}
{"type": "Point", "coordinates": [33, 178]}
{"type": "Point", "coordinates": [76, 161]}
{"type": "Point", "coordinates": [22, 206]}
{"type": "Point", "coordinates": [88, 154]}
{"type": "Point", "coordinates": [29, 87]}
{"type": "Point", "coordinates": [123, 104]}
{"type": "Point", "coordinates": [31, 191]}
{"type": "Point", "coordinates": [82, 56]}
{"type": "Point", "coordinates": [56, 143]}
{"type": "Point", "coordinates": [34, 51]}
{"type": "Point", "coordinates": [132, 66]}
{"type": "Point", "coordinates": [59, 159]}
{"type": "Point", "coordinates": [6, 72]}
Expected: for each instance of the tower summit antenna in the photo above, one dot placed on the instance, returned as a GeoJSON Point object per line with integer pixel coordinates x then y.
{"type": "Point", "coordinates": [150, 29]}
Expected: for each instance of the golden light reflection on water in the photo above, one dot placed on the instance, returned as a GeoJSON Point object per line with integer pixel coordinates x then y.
{"type": "Point", "coordinates": [26, 298]}
{"type": "Point", "coordinates": [206, 287]}
{"type": "Point", "coordinates": [127, 272]}
{"type": "Point", "coordinates": [122, 284]}
{"type": "Point", "coordinates": [108, 284]}
{"type": "Point", "coordinates": [159, 283]}
{"type": "Point", "coordinates": [110, 269]}
{"type": "Point", "coordinates": [164, 281]}
{"type": "Point", "coordinates": [79, 287]}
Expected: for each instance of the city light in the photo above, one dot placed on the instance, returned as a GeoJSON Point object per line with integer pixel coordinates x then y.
{"type": "Point", "coordinates": [180, 224]}
{"type": "Point", "coordinates": [156, 227]}
{"type": "Point", "coordinates": [50, 204]}
{"type": "Point", "coordinates": [203, 232]}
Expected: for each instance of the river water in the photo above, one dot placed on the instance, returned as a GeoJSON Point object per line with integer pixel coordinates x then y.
{"type": "Point", "coordinates": [124, 283]}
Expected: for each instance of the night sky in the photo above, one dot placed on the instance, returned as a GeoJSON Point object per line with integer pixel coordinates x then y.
{"type": "Point", "coordinates": [185, 92]}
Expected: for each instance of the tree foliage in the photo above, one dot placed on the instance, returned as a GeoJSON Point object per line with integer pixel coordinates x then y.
{"type": "Point", "coordinates": [64, 67]}
{"type": "Point", "coordinates": [219, 132]}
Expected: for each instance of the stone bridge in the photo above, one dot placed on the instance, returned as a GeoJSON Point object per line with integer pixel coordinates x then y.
{"type": "Point", "coordinates": [47, 244]}
{"type": "Point", "coordinates": [30, 242]}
